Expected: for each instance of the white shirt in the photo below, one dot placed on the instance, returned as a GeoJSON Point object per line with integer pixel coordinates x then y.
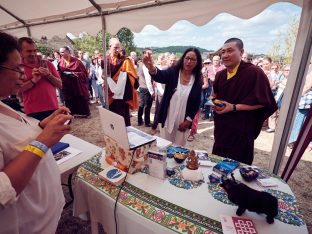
{"type": "Point", "coordinates": [98, 73]}
{"type": "Point", "coordinates": [38, 207]}
{"type": "Point", "coordinates": [148, 80]}
{"type": "Point", "coordinates": [178, 102]}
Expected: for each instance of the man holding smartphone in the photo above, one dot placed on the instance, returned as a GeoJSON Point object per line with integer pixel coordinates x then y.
{"type": "Point", "coordinates": [40, 82]}
{"type": "Point", "coordinates": [243, 100]}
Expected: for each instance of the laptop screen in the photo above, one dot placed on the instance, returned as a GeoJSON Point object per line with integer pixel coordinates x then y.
{"type": "Point", "coordinates": [114, 126]}
{"type": "Point", "coordinates": [137, 138]}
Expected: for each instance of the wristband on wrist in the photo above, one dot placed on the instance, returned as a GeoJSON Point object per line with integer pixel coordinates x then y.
{"type": "Point", "coordinates": [40, 146]}
{"type": "Point", "coordinates": [35, 150]}
{"type": "Point", "coordinates": [234, 108]}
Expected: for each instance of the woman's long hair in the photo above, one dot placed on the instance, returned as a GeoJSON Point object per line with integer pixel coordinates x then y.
{"type": "Point", "coordinates": [197, 69]}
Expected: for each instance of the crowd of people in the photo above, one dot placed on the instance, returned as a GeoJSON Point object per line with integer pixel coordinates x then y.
{"type": "Point", "coordinates": [77, 80]}
{"type": "Point", "coordinates": [184, 90]}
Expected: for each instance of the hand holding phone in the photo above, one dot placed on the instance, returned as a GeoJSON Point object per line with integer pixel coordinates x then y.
{"type": "Point", "coordinates": [43, 63]}
{"type": "Point", "coordinates": [68, 122]}
{"type": "Point", "coordinates": [219, 105]}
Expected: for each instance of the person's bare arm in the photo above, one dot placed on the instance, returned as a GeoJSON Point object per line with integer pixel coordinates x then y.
{"type": "Point", "coordinates": [36, 76]}
{"type": "Point", "coordinates": [229, 107]}
{"type": "Point", "coordinates": [205, 83]}
{"type": "Point", "coordinates": [308, 83]}
{"type": "Point", "coordinates": [54, 80]}
{"type": "Point", "coordinates": [21, 169]}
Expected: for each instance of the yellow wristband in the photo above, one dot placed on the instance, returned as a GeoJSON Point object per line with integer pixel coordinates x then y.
{"type": "Point", "coordinates": [35, 150]}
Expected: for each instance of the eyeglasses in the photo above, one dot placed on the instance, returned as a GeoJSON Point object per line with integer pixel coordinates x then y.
{"type": "Point", "coordinates": [192, 60]}
{"type": "Point", "coordinates": [20, 71]}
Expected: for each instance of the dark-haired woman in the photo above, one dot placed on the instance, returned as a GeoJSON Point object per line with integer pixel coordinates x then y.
{"type": "Point", "coordinates": [31, 196]}
{"type": "Point", "coordinates": [182, 94]}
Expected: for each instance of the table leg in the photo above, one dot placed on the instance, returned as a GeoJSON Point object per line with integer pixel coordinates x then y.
{"type": "Point", "coordinates": [70, 189]}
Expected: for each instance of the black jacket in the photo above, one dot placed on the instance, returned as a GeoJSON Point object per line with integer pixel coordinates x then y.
{"type": "Point", "coordinates": [170, 78]}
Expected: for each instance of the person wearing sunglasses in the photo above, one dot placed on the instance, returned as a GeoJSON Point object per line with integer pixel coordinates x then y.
{"type": "Point", "coordinates": [31, 196]}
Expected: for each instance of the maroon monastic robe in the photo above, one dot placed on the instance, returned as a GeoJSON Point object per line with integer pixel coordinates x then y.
{"type": "Point", "coordinates": [75, 86]}
{"type": "Point", "coordinates": [235, 132]}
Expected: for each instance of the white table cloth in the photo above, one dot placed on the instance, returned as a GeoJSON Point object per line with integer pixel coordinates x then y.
{"type": "Point", "coordinates": [150, 205]}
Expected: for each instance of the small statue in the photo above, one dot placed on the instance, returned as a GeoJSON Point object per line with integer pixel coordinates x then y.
{"type": "Point", "coordinates": [192, 161]}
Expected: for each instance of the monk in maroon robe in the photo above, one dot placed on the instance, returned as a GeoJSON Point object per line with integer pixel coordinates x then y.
{"type": "Point", "coordinates": [245, 91]}
{"type": "Point", "coordinates": [75, 83]}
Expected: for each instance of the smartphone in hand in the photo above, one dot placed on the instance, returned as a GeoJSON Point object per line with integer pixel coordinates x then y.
{"type": "Point", "coordinates": [43, 63]}
{"type": "Point", "coordinates": [68, 122]}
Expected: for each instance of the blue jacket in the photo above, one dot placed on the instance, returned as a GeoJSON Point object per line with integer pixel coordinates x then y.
{"type": "Point", "coordinates": [170, 78]}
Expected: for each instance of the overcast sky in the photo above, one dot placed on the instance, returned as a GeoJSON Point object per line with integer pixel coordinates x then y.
{"type": "Point", "coordinates": [257, 33]}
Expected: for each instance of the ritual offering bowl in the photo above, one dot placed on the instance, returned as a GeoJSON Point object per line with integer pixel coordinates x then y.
{"type": "Point", "coordinates": [248, 173]}
{"type": "Point", "coordinates": [170, 171]}
{"type": "Point", "coordinates": [179, 157]}
{"type": "Point", "coordinates": [176, 149]}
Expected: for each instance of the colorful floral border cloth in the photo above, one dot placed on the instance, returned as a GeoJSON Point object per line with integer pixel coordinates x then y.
{"type": "Point", "coordinates": [167, 214]}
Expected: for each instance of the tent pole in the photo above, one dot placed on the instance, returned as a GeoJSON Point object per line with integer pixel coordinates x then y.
{"type": "Point", "coordinates": [28, 31]}
{"type": "Point", "coordinates": [294, 87]}
{"type": "Point", "coordinates": [105, 60]}
{"type": "Point", "coordinates": [98, 7]}
{"type": "Point", "coordinates": [18, 19]}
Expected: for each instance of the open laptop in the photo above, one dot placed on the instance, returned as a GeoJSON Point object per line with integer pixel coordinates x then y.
{"type": "Point", "coordinates": [114, 126]}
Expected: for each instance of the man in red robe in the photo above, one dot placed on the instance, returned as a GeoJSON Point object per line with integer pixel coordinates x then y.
{"type": "Point", "coordinates": [75, 83]}
{"type": "Point", "coordinates": [246, 93]}
{"type": "Point", "coordinates": [117, 63]}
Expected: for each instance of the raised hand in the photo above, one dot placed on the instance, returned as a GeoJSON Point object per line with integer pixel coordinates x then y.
{"type": "Point", "coordinates": [148, 61]}
{"type": "Point", "coordinates": [184, 125]}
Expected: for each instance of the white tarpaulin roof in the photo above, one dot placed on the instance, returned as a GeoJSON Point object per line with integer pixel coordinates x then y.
{"type": "Point", "coordinates": [38, 18]}
{"type": "Point", "coordinates": [56, 17]}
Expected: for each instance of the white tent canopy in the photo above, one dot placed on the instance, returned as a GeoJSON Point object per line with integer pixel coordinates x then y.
{"type": "Point", "coordinates": [59, 17]}
{"type": "Point", "coordinates": [38, 18]}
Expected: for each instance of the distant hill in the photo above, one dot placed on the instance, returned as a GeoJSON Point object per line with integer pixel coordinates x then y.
{"type": "Point", "coordinates": [174, 49]}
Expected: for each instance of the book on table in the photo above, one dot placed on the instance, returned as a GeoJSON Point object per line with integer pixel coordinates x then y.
{"type": "Point", "coordinates": [59, 146]}
{"type": "Point", "coordinates": [62, 152]}
{"type": "Point", "coordinates": [203, 158]}
{"type": "Point", "coordinates": [226, 166]}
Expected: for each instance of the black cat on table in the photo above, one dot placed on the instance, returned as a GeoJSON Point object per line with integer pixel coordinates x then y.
{"type": "Point", "coordinates": [250, 199]}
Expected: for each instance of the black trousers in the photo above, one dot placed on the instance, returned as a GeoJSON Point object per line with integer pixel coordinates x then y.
{"type": "Point", "coordinates": [145, 106]}
{"type": "Point", "coordinates": [41, 115]}
{"type": "Point", "coordinates": [120, 107]}
{"type": "Point", "coordinates": [156, 117]}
